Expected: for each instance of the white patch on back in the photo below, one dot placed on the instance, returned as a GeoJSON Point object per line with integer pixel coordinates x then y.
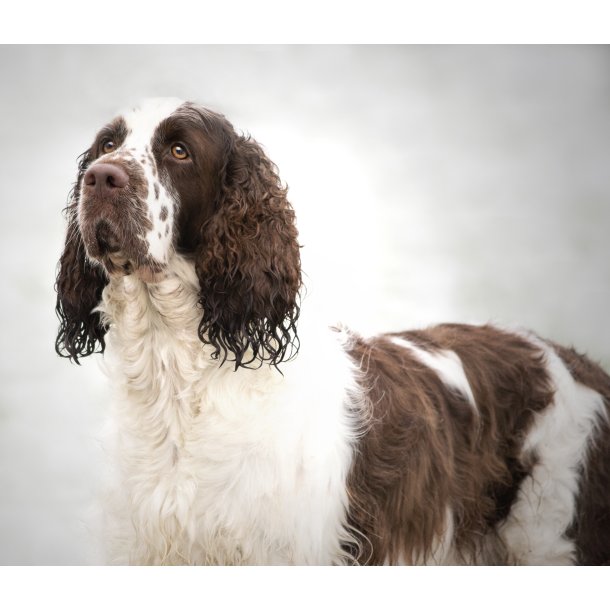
{"type": "Point", "coordinates": [534, 531]}
{"type": "Point", "coordinates": [446, 364]}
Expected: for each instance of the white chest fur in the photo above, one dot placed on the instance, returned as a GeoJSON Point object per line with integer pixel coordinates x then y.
{"type": "Point", "coordinates": [215, 465]}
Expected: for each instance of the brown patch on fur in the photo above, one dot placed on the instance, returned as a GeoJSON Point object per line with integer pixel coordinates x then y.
{"type": "Point", "coordinates": [196, 181]}
{"type": "Point", "coordinates": [116, 130]}
{"type": "Point", "coordinates": [235, 220]}
{"type": "Point", "coordinates": [591, 527]}
{"type": "Point", "coordinates": [163, 214]}
{"type": "Point", "coordinates": [427, 449]}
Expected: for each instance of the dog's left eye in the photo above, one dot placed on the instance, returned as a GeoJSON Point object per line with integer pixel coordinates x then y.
{"type": "Point", "coordinates": [179, 151]}
{"type": "Point", "coordinates": [108, 146]}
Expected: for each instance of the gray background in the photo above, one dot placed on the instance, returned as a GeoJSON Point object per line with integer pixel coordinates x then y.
{"type": "Point", "coordinates": [431, 184]}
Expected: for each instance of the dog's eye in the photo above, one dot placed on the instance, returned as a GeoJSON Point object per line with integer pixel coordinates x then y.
{"type": "Point", "coordinates": [108, 146]}
{"type": "Point", "coordinates": [179, 151]}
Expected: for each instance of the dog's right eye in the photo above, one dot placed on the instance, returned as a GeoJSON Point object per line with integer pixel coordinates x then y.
{"type": "Point", "coordinates": [108, 146]}
{"type": "Point", "coordinates": [179, 151]}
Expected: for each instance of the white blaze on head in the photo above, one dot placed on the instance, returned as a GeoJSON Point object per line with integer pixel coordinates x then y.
{"type": "Point", "coordinates": [142, 122]}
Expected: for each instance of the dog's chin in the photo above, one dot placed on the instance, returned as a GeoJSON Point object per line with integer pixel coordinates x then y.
{"type": "Point", "coordinates": [118, 264]}
{"type": "Point", "coordinates": [150, 274]}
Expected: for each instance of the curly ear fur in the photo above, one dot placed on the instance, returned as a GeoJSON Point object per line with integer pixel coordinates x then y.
{"type": "Point", "coordinates": [79, 288]}
{"type": "Point", "coordinates": [248, 262]}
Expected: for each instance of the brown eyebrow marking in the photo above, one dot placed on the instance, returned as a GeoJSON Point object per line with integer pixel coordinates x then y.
{"type": "Point", "coordinates": [116, 130]}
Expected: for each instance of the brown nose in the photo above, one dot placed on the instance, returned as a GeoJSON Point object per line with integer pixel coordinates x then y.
{"type": "Point", "coordinates": [106, 178]}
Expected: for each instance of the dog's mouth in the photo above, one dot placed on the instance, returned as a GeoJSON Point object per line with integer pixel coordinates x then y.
{"type": "Point", "coordinates": [106, 239]}
{"type": "Point", "coordinates": [106, 245]}
{"type": "Point", "coordinates": [118, 264]}
{"type": "Point", "coordinates": [114, 221]}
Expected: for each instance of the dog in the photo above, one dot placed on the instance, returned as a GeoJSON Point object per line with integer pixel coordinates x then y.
{"type": "Point", "coordinates": [244, 432]}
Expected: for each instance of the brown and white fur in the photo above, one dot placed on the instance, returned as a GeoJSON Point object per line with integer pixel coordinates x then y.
{"type": "Point", "coordinates": [245, 433]}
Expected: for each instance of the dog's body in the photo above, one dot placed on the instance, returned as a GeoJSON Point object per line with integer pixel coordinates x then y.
{"type": "Point", "coordinates": [237, 442]}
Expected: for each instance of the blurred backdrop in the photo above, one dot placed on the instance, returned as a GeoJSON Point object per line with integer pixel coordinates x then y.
{"type": "Point", "coordinates": [430, 184]}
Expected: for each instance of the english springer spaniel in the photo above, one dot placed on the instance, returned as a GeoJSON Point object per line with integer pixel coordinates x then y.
{"type": "Point", "coordinates": [244, 434]}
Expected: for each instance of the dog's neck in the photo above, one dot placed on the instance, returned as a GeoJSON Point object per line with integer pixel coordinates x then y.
{"type": "Point", "coordinates": [222, 449]}
{"type": "Point", "coordinates": [154, 352]}
{"type": "Point", "coordinates": [172, 298]}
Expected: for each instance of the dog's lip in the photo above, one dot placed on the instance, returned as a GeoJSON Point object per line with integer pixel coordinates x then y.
{"type": "Point", "coordinates": [118, 258]}
{"type": "Point", "coordinates": [120, 265]}
{"type": "Point", "coordinates": [107, 238]}
{"type": "Point", "coordinates": [149, 275]}
{"type": "Point", "coordinates": [148, 272]}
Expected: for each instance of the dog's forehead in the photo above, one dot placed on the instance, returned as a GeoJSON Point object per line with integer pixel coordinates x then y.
{"type": "Point", "coordinates": [142, 120]}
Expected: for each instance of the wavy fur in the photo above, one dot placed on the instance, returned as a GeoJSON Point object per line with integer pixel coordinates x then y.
{"type": "Point", "coordinates": [246, 254]}
{"type": "Point", "coordinates": [79, 285]}
{"type": "Point", "coordinates": [248, 262]}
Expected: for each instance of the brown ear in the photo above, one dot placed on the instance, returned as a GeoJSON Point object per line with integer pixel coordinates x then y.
{"type": "Point", "coordinates": [248, 262]}
{"type": "Point", "coordinates": [79, 288]}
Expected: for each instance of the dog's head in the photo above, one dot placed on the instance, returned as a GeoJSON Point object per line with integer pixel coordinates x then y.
{"type": "Point", "coordinates": [171, 177]}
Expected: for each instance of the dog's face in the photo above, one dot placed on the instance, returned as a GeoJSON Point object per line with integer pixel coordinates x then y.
{"type": "Point", "coordinates": [171, 177]}
{"type": "Point", "coordinates": [149, 185]}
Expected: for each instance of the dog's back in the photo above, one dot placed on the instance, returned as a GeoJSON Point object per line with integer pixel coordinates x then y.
{"type": "Point", "coordinates": [495, 440]}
